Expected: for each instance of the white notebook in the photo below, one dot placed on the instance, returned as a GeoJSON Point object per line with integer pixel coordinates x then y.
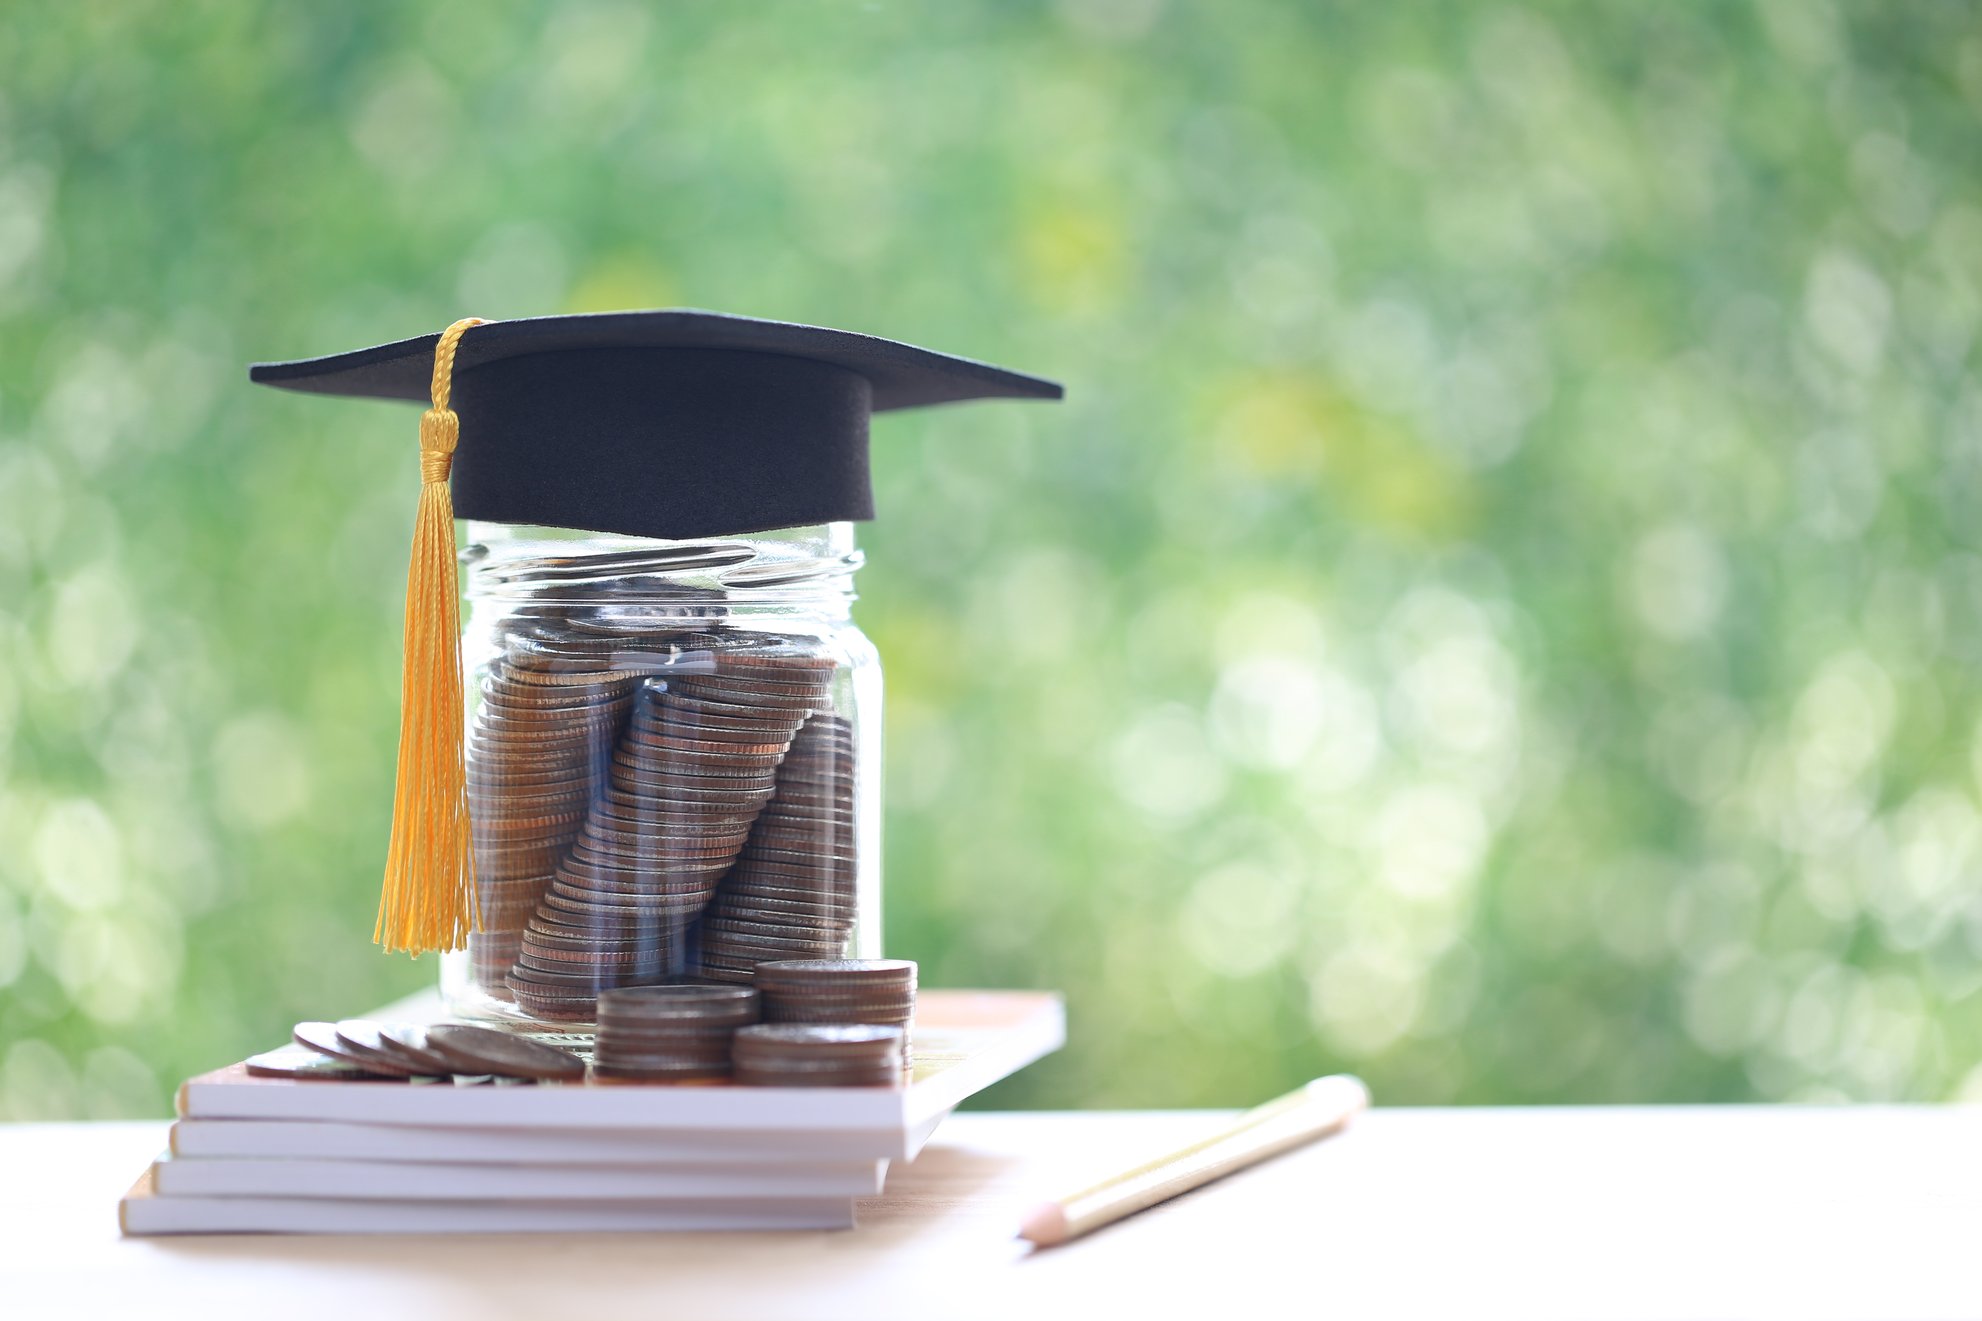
{"type": "Point", "coordinates": [410, 1181]}
{"type": "Point", "coordinates": [202, 1139]}
{"type": "Point", "coordinates": [144, 1212]}
{"type": "Point", "coordinates": [317, 1156]}
{"type": "Point", "coordinates": [964, 1042]}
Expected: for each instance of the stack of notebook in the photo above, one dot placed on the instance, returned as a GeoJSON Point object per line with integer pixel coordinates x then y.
{"type": "Point", "coordinates": [282, 1155]}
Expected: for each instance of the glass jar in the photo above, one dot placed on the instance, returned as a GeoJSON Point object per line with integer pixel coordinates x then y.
{"type": "Point", "coordinates": [673, 753]}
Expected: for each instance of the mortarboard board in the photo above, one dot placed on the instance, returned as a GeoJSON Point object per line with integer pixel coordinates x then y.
{"type": "Point", "coordinates": [671, 423]}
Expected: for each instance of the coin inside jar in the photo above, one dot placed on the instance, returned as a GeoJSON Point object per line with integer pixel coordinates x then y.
{"type": "Point", "coordinates": [618, 772]}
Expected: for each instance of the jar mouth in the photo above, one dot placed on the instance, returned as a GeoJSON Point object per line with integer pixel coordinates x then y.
{"type": "Point", "coordinates": [789, 566]}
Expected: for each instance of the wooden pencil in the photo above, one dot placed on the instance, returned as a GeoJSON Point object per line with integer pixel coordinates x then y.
{"type": "Point", "coordinates": [1319, 1108]}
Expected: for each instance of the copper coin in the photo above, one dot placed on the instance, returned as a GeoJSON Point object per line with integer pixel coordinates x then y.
{"type": "Point", "coordinates": [814, 894]}
{"type": "Point", "coordinates": [636, 790]}
{"type": "Point", "coordinates": [864, 971]}
{"type": "Point", "coordinates": [555, 959]}
{"type": "Point", "coordinates": [814, 860]}
{"type": "Point", "coordinates": [802, 778]}
{"type": "Point", "coordinates": [311, 1068]}
{"type": "Point", "coordinates": [818, 900]}
{"type": "Point", "coordinates": [485, 1050]}
{"type": "Point", "coordinates": [714, 708]}
{"type": "Point", "coordinates": [816, 891]}
{"type": "Point", "coordinates": [362, 1039]}
{"type": "Point", "coordinates": [809, 837]}
{"type": "Point", "coordinates": [409, 1040]}
{"type": "Point", "coordinates": [812, 1042]}
{"type": "Point", "coordinates": [712, 1029]}
{"type": "Point", "coordinates": [896, 1003]}
{"type": "Point", "coordinates": [682, 709]}
{"type": "Point", "coordinates": [701, 752]}
{"type": "Point", "coordinates": [816, 926]}
{"type": "Point", "coordinates": [664, 822]}
{"type": "Point", "coordinates": [749, 927]}
{"type": "Point", "coordinates": [322, 1038]}
{"type": "Point", "coordinates": [664, 815]}
{"type": "Point", "coordinates": [803, 869]}
{"type": "Point", "coordinates": [576, 978]}
{"type": "Point", "coordinates": [787, 942]}
{"type": "Point", "coordinates": [576, 945]}
{"type": "Point", "coordinates": [544, 711]}
{"type": "Point", "coordinates": [594, 674]}
{"type": "Point", "coordinates": [812, 838]}
{"type": "Point", "coordinates": [815, 670]}
{"type": "Point", "coordinates": [609, 1073]}
{"type": "Point", "coordinates": [681, 1001]}
{"type": "Point", "coordinates": [738, 736]}
{"type": "Point", "coordinates": [578, 901]}
{"type": "Point", "coordinates": [666, 702]}
{"type": "Point", "coordinates": [741, 692]}
{"type": "Point", "coordinates": [581, 905]}
{"type": "Point", "coordinates": [804, 808]}
{"type": "Point", "coordinates": [650, 769]}
{"type": "Point", "coordinates": [615, 972]}
{"type": "Point", "coordinates": [530, 807]}
{"type": "Point", "coordinates": [582, 680]}
{"type": "Point", "coordinates": [640, 761]}
{"type": "Point", "coordinates": [548, 935]}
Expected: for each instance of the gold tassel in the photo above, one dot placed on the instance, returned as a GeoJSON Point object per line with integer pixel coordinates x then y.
{"type": "Point", "coordinates": [429, 899]}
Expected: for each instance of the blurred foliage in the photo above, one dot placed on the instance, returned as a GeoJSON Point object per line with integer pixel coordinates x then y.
{"type": "Point", "coordinates": [1498, 610]}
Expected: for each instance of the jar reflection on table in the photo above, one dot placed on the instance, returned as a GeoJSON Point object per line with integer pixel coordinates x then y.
{"type": "Point", "coordinates": [673, 764]}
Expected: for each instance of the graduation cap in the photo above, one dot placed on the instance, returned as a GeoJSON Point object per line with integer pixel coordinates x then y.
{"type": "Point", "coordinates": [671, 423]}
{"type": "Point", "coordinates": [662, 424]}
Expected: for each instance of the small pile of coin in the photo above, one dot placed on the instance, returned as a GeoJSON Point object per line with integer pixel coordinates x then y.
{"type": "Point", "coordinates": [876, 991]}
{"type": "Point", "coordinates": [671, 1033]}
{"type": "Point", "coordinates": [791, 893]}
{"type": "Point", "coordinates": [386, 1050]}
{"type": "Point", "coordinates": [802, 1055]}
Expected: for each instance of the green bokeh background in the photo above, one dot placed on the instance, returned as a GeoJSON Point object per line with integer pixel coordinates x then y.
{"type": "Point", "coordinates": [1498, 610]}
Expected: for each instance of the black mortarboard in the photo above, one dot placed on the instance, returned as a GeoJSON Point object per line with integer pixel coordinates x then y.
{"type": "Point", "coordinates": [672, 423]}
{"type": "Point", "coordinates": [663, 424]}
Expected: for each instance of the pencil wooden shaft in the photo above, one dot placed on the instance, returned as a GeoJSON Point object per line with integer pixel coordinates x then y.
{"type": "Point", "coordinates": [1301, 1116]}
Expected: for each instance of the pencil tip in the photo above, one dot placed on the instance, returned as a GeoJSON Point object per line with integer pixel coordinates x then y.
{"type": "Point", "coordinates": [1045, 1224]}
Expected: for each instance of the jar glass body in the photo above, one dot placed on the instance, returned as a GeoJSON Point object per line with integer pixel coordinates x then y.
{"type": "Point", "coordinates": [673, 755]}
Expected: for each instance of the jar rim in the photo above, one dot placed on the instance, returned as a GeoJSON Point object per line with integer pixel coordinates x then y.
{"type": "Point", "coordinates": [793, 566]}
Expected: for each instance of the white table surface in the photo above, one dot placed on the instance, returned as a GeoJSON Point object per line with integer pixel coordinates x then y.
{"type": "Point", "coordinates": [1587, 1213]}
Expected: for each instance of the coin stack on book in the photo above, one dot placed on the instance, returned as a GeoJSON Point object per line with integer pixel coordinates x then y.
{"type": "Point", "coordinates": [680, 1033]}
{"type": "Point", "coordinates": [805, 1055]}
{"type": "Point", "coordinates": [825, 991]}
{"type": "Point", "coordinates": [402, 1124]}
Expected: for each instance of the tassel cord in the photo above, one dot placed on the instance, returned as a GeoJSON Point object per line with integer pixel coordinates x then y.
{"type": "Point", "coordinates": [428, 901]}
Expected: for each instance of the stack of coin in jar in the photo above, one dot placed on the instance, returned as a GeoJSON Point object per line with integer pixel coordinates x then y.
{"type": "Point", "coordinates": [800, 1055]}
{"type": "Point", "coordinates": [877, 991]}
{"type": "Point", "coordinates": [550, 713]}
{"type": "Point", "coordinates": [670, 1033]}
{"type": "Point", "coordinates": [791, 893]}
{"type": "Point", "coordinates": [693, 768]}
